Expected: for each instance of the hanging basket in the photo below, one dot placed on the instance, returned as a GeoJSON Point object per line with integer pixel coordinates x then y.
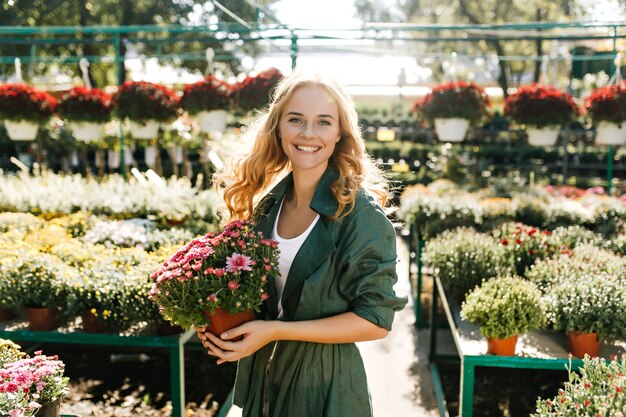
{"type": "Point", "coordinates": [86, 131]}
{"type": "Point", "coordinates": [147, 130]}
{"type": "Point", "coordinates": [611, 134]}
{"type": "Point", "coordinates": [546, 136]}
{"type": "Point", "coordinates": [22, 130]}
{"type": "Point", "coordinates": [451, 130]}
{"type": "Point", "coordinates": [212, 121]}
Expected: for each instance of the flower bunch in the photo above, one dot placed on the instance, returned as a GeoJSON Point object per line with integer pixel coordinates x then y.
{"type": "Point", "coordinates": [33, 382]}
{"type": "Point", "coordinates": [23, 102]}
{"type": "Point", "coordinates": [254, 92]}
{"type": "Point", "coordinates": [9, 352]}
{"type": "Point", "coordinates": [523, 245]}
{"type": "Point", "coordinates": [607, 104]}
{"type": "Point", "coordinates": [209, 94]}
{"type": "Point", "coordinates": [80, 104]}
{"type": "Point", "coordinates": [598, 390]}
{"type": "Point", "coordinates": [228, 270]}
{"type": "Point", "coordinates": [504, 306]}
{"type": "Point", "coordinates": [142, 101]}
{"type": "Point", "coordinates": [455, 100]}
{"type": "Point", "coordinates": [540, 106]}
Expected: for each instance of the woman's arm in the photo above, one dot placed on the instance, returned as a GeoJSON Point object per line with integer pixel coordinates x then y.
{"type": "Point", "coordinates": [342, 328]}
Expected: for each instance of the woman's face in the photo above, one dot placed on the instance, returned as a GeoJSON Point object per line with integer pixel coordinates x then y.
{"type": "Point", "coordinates": [309, 129]}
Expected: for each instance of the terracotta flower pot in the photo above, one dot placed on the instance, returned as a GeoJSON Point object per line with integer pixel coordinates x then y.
{"type": "Point", "coordinates": [221, 320]}
{"type": "Point", "coordinates": [90, 324]}
{"type": "Point", "coordinates": [42, 319]}
{"type": "Point", "coordinates": [52, 409]}
{"type": "Point", "coordinates": [6, 314]}
{"type": "Point", "coordinates": [502, 347]}
{"type": "Point", "coordinates": [584, 343]}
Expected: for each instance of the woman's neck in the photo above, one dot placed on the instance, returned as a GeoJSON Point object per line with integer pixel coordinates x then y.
{"type": "Point", "coordinates": [304, 186]}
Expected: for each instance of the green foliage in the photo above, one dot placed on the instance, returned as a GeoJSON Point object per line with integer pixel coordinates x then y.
{"type": "Point", "coordinates": [142, 101]}
{"type": "Point", "coordinates": [598, 389]}
{"type": "Point", "coordinates": [504, 306]}
{"type": "Point", "coordinates": [572, 236]}
{"type": "Point", "coordinates": [82, 105]}
{"type": "Point", "coordinates": [523, 245]}
{"type": "Point", "coordinates": [463, 258]}
{"type": "Point", "coordinates": [591, 303]}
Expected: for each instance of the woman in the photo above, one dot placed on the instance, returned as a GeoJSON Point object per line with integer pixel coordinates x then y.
{"type": "Point", "coordinates": [337, 259]}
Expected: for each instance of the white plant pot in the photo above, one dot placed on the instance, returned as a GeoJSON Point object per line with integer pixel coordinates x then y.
{"type": "Point", "coordinates": [451, 130]}
{"type": "Point", "coordinates": [546, 136]}
{"type": "Point", "coordinates": [212, 121]}
{"type": "Point", "coordinates": [86, 131]}
{"type": "Point", "coordinates": [611, 134]}
{"type": "Point", "coordinates": [148, 130]}
{"type": "Point", "coordinates": [22, 130]}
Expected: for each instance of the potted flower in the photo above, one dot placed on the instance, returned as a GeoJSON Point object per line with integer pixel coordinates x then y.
{"type": "Point", "coordinates": [87, 110]}
{"type": "Point", "coordinates": [145, 105]}
{"type": "Point", "coordinates": [216, 280]}
{"type": "Point", "coordinates": [503, 308]}
{"type": "Point", "coordinates": [543, 110]}
{"type": "Point", "coordinates": [39, 285]}
{"type": "Point", "coordinates": [9, 352]}
{"type": "Point", "coordinates": [606, 106]}
{"type": "Point", "coordinates": [463, 258]}
{"type": "Point", "coordinates": [253, 93]}
{"type": "Point", "coordinates": [32, 386]}
{"type": "Point", "coordinates": [588, 309]}
{"type": "Point", "coordinates": [453, 107]}
{"type": "Point", "coordinates": [24, 109]}
{"type": "Point", "coordinates": [208, 101]}
{"type": "Point", "coordinates": [523, 245]}
{"type": "Point", "coordinates": [599, 389]}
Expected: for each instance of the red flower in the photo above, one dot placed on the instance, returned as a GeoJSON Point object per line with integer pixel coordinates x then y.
{"type": "Point", "coordinates": [540, 106]}
{"type": "Point", "coordinates": [607, 104]}
{"type": "Point", "coordinates": [254, 92]}
{"type": "Point", "coordinates": [141, 101]}
{"type": "Point", "coordinates": [460, 99]}
{"type": "Point", "coordinates": [23, 102]}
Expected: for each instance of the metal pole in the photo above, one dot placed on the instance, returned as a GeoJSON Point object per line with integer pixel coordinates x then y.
{"type": "Point", "coordinates": [609, 171]}
{"type": "Point", "coordinates": [294, 50]}
{"type": "Point", "coordinates": [120, 67]}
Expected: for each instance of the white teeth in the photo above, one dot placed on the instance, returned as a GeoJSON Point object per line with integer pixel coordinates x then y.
{"type": "Point", "coordinates": [307, 148]}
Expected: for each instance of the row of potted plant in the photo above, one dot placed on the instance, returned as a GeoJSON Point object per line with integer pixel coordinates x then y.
{"type": "Point", "coordinates": [71, 267]}
{"type": "Point", "coordinates": [30, 386]}
{"type": "Point", "coordinates": [451, 108]}
{"type": "Point", "coordinates": [171, 201]}
{"type": "Point", "coordinates": [521, 278]}
{"type": "Point", "coordinates": [442, 205]}
{"type": "Point", "coordinates": [145, 105]}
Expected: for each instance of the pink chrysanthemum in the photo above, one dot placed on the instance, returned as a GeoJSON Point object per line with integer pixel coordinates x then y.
{"type": "Point", "coordinates": [238, 262]}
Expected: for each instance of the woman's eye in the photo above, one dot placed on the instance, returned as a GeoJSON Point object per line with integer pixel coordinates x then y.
{"type": "Point", "coordinates": [325, 122]}
{"type": "Point", "coordinates": [295, 120]}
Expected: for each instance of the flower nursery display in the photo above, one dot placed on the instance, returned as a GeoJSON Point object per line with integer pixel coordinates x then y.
{"type": "Point", "coordinates": [543, 110]}
{"type": "Point", "coordinates": [86, 111]}
{"type": "Point", "coordinates": [504, 307]}
{"type": "Point", "coordinates": [253, 93]}
{"type": "Point", "coordinates": [224, 272]}
{"type": "Point", "coordinates": [145, 105]}
{"type": "Point", "coordinates": [458, 103]}
{"type": "Point", "coordinates": [523, 245]}
{"type": "Point", "coordinates": [598, 388]}
{"type": "Point", "coordinates": [209, 101]}
{"type": "Point", "coordinates": [606, 107]}
{"type": "Point", "coordinates": [23, 109]}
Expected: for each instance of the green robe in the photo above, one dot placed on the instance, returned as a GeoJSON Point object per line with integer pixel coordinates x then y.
{"type": "Point", "coordinates": [343, 265]}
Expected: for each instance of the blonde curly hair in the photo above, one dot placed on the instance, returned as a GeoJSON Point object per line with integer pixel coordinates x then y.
{"type": "Point", "coordinates": [248, 179]}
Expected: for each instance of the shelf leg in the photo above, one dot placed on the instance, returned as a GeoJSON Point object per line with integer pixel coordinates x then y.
{"type": "Point", "coordinates": [466, 405]}
{"type": "Point", "coordinates": [177, 380]}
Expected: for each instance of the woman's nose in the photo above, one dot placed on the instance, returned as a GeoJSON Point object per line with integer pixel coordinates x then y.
{"type": "Point", "coordinates": [307, 130]}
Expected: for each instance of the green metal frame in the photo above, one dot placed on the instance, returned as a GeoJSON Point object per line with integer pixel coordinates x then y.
{"type": "Point", "coordinates": [175, 344]}
{"type": "Point", "coordinates": [416, 247]}
{"type": "Point", "coordinates": [469, 360]}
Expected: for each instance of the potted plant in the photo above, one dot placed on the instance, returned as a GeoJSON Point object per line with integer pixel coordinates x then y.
{"type": "Point", "coordinates": [39, 285]}
{"type": "Point", "coordinates": [463, 258]}
{"type": "Point", "coordinates": [253, 93]}
{"type": "Point", "coordinates": [86, 110]}
{"type": "Point", "coordinates": [588, 309]}
{"type": "Point", "coordinates": [598, 389]}
{"type": "Point", "coordinates": [453, 107]}
{"type": "Point", "coordinates": [606, 106]}
{"type": "Point", "coordinates": [23, 109]}
{"type": "Point", "coordinates": [9, 352]}
{"type": "Point", "coordinates": [32, 386]}
{"type": "Point", "coordinates": [523, 245]}
{"type": "Point", "coordinates": [145, 105]}
{"type": "Point", "coordinates": [542, 109]}
{"type": "Point", "coordinates": [216, 280]}
{"type": "Point", "coordinates": [503, 308]}
{"type": "Point", "coordinates": [208, 101]}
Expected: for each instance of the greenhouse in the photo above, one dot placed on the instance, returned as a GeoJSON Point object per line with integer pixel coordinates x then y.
{"type": "Point", "coordinates": [275, 208]}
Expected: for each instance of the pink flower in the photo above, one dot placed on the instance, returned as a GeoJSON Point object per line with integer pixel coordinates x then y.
{"type": "Point", "coordinates": [264, 296]}
{"type": "Point", "coordinates": [238, 262]}
{"type": "Point", "coordinates": [233, 285]}
{"type": "Point", "coordinates": [213, 298]}
{"type": "Point", "coordinates": [218, 272]}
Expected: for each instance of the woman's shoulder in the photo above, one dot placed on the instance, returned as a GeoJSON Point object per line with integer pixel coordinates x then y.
{"type": "Point", "coordinates": [367, 212]}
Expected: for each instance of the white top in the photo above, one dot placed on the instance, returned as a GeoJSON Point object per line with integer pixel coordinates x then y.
{"type": "Point", "coordinates": [288, 250]}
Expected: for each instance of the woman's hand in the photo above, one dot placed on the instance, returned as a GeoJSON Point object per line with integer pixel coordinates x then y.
{"type": "Point", "coordinates": [256, 334]}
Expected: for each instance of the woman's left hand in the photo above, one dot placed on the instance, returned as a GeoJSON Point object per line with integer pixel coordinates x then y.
{"type": "Point", "coordinates": [256, 334]}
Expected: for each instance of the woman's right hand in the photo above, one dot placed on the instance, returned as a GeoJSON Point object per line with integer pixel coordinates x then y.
{"type": "Point", "coordinates": [206, 342]}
